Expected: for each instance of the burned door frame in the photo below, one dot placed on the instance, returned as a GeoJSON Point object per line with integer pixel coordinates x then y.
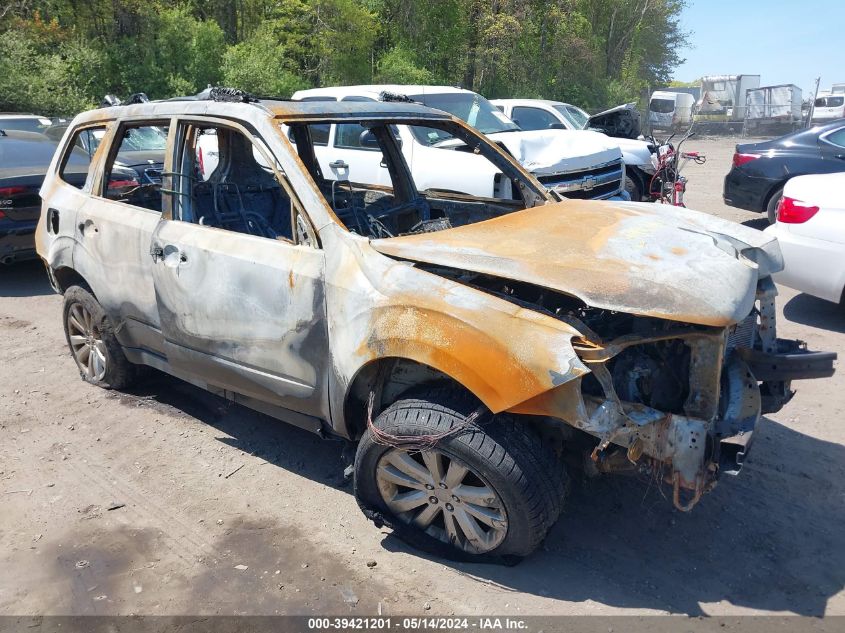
{"type": "Point", "coordinates": [242, 314]}
{"type": "Point", "coordinates": [104, 227]}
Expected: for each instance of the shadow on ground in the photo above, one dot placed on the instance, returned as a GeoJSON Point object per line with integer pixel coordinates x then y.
{"type": "Point", "coordinates": [768, 539]}
{"type": "Point", "coordinates": [815, 312]}
{"type": "Point", "coordinates": [25, 279]}
{"type": "Point", "coordinates": [757, 223]}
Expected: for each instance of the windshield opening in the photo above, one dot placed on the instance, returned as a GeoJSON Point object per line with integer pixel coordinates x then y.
{"type": "Point", "coordinates": [391, 201]}
{"type": "Point", "coordinates": [468, 106]}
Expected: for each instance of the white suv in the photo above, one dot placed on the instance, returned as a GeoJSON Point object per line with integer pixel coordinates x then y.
{"type": "Point", "coordinates": [538, 114]}
{"type": "Point", "coordinates": [581, 164]}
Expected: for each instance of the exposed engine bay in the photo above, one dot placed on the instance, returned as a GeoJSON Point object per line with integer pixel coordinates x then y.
{"type": "Point", "coordinates": [663, 393]}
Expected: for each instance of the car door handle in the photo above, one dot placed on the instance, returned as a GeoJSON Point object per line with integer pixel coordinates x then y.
{"type": "Point", "coordinates": [840, 156]}
{"type": "Point", "coordinates": [338, 164]}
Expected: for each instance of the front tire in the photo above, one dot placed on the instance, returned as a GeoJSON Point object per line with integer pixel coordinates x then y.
{"type": "Point", "coordinates": [93, 346]}
{"type": "Point", "coordinates": [488, 493]}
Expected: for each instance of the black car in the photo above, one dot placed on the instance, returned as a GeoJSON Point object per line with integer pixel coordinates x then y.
{"type": "Point", "coordinates": [24, 160]}
{"type": "Point", "coordinates": [760, 170]}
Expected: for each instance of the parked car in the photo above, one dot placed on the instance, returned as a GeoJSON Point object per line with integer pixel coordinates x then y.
{"type": "Point", "coordinates": [540, 114]}
{"type": "Point", "coordinates": [23, 122]}
{"type": "Point", "coordinates": [810, 229]}
{"type": "Point", "coordinates": [828, 107]}
{"type": "Point", "coordinates": [24, 158]}
{"type": "Point", "coordinates": [578, 165]}
{"type": "Point", "coordinates": [464, 344]}
{"type": "Point", "coordinates": [760, 170]}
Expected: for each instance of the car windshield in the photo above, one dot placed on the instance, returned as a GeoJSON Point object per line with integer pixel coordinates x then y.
{"type": "Point", "coordinates": [25, 124]}
{"type": "Point", "coordinates": [576, 116]}
{"type": "Point", "coordinates": [830, 102]}
{"type": "Point", "coordinates": [144, 139]}
{"type": "Point", "coordinates": [662, 106]}
{"type": "Point", "coordinates": [468, 106]}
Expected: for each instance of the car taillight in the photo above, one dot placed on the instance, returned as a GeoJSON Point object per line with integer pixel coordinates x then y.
{"type": "Point", "coordinates": [792, 211]}
{"type": "Point", "coordinates": [741, 159]}
{"type": "Point", "coordinates": [11, 191]}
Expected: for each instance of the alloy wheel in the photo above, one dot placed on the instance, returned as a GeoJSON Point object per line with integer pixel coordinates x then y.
{"type": "Point", "coordinates": [443, 497]}
{"type": "Point", "coordinates": [86, 343]}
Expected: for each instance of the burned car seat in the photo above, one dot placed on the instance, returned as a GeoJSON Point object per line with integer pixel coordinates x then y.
{"type": "Point", "coordinates": [241, 195]}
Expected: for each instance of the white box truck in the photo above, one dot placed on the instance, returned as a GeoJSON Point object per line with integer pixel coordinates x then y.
{"type": "Point", "coordinates": [722, 102]}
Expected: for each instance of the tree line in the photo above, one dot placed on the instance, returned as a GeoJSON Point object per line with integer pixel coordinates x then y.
{"type": "Point", "coordinates": [58, 57]}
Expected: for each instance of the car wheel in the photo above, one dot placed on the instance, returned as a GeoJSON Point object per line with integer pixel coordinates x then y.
{"type": "Point", "coordinates": [487, 493]}
{"type": "Point", "coordinates": [633, 188]}
{"type": "Point", "coordinates": [772, 206]}
{"type": "Point", "coordinates": [90, 337]}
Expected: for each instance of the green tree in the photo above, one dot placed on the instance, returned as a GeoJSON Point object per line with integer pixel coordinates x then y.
{"type": "Point", "coordinates": [48, 70]}
{"type": "Point", "coordinates": [270, 62]}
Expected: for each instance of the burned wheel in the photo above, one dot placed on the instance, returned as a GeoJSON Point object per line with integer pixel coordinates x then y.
{"type": "Point", "coordinates": [443, 497]}
{"type": "Point", "coordinates": [92, 343]}
{"type": "Point", "coordinates": [490, 491]}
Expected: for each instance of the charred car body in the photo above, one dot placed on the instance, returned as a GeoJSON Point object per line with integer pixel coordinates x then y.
{"type": "Point", "coordinates": [466, 344]}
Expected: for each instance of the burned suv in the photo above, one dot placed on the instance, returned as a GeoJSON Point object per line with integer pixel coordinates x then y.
{"type": "Point", "coordinates": [468, 346]}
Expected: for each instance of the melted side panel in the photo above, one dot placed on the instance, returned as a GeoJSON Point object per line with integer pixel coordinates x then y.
{"type": "Point", "coordinates": [380, 308]}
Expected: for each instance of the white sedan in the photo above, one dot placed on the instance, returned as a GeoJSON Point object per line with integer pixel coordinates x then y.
{"type": "Point", "coordinates": [811, 230]}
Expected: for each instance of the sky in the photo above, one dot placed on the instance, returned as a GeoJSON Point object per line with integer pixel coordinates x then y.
{"type": "Point", "coordinates": [783, 41]}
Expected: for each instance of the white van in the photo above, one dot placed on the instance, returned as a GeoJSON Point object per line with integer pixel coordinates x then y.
{"type": "Point", "coordinates": [580, 164]}
{"type": "Point", "coordinates": [670, 110]}
{"type": "Point", "coordinates": [829, 106]}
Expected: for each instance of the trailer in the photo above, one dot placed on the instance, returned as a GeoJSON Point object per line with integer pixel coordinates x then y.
{"type": "Point", "coordinates": [773, 108]}
{"type": "Point", "coordinates": [721, 107]}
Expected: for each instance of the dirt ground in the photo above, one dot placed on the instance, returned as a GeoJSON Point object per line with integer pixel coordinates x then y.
{"type": "Point", "coordinates": [226, 511]}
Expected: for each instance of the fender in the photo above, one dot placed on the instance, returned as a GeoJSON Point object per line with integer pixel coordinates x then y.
{"type": "Point", "coordinates": [503, 353]}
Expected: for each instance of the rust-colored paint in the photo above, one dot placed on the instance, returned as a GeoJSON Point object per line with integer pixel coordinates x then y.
{"type": "Point", "coordinates": [604, 254]}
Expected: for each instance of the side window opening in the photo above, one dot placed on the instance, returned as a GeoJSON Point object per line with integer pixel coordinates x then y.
{"type": "Point", "coordinates": [225, 181]}
{"type": "Point", "coordinates": [134, 170]}
{"type": "Point", "coordinates": [76, 163]}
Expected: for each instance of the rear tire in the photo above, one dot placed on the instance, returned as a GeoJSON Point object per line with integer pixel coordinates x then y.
{"type": "Point", "coordinates": [90, 336]}
{"type": "Point", "coordinates": [772, 206]}
{"type": "Point", "coordinates": [488, 493]}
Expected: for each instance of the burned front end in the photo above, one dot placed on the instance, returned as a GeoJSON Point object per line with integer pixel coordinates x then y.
{"type": "Point", "coordinates": [677, 400]}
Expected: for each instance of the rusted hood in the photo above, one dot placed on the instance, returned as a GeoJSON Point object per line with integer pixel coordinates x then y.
{"type": "Point", "coordinates": [639, 258]}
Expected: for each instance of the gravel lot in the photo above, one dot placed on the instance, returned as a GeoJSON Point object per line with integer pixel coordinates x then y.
{"type": "Point", "coordinates": [227, 511]}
